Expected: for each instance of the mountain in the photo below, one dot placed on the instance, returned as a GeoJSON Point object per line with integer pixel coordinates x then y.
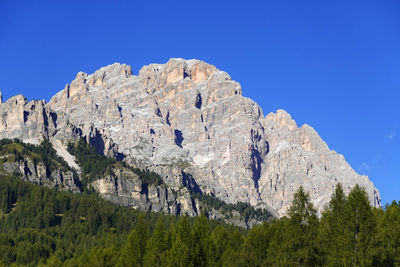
{"type": "Point", "coordinates": [188, 122]}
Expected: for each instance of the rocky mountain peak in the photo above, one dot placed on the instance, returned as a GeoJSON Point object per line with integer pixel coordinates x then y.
{"type": "Point", "coordinates": [185, 74]}
{"type": "Point", "coordinates": [281, 119]}
{"type": "Point", "coordinates": [17, 100]}
{"type": "Point", "coordinates": [177, 69]}
{"type": "Point", "coordinates": [112, 71]}
{"type": "Point", "coordinates": [189, 122]}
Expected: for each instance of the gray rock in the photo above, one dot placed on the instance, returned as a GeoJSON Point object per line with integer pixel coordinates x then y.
{"type": "Point", "coordinates": [189, 122]}
{"type": "Point", "coordinates": [184, 114]}
{"type": "Point", "coordinates": [124, 188]}
{"type": "Point", "coordinates": [298, 156]}
{"type": "Point", "coordinates": [36, 173]}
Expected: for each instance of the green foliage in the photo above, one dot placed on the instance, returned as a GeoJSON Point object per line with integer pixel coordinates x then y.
{"type": "Point", "coordinates": [38, 223]}
{"type": "Point", "coordinates": [389, 235]}
{"type": "Point", "coordinates": [331, 231]}
{"type": "Point", "coordinates": [146, 176]}
{"type": "Point", "coordinates": [178, 255]}
{"type": "Point", "coordinates": [359, 229]}
{"type": "Point", "coordinates": [44, 227]}
{"type": "Point", "coordinates": [293, 242]}
{"type": "Point", "coordinates": [15, 150]}
{"type": "Point", "coordinates": [245, 210]}
{"type": "Point", "coordinates": [182, 241]}
{"type": "Point", "coordinates": [202, 248]}
{"type": "Point", "coordinates": [253, 250]}
{"type": "Point", "coordinates": [156, 246]}
{"type": "Point", "coordinates": [137, 241]}
{"type": "Point", "coordinates": [95, 166]}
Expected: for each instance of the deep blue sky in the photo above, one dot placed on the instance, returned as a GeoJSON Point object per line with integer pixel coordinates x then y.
{"type": "Point", "coordinates": [334, 65]}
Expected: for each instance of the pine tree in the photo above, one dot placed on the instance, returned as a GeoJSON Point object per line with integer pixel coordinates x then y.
{"type": "Point", "coordinates": [202, 243]}
{"type": "Point", "coordinates": [227, 248]}
{"type": "Point", "coordinates": [360, 229]}
{"type": "Point", "coordinates": [220, 239]}
{"type": "Point", "coordinates": [156, 246]}
{"type": "Point", "coordinates": [301, 231]}
{"type": "Point", "coordinates": [332, 230]}
{"type": "Point", "coordinates": [389, 235]}
{"type": "Point", "coordinates": [183, 231]}
{"type": "Point", "coordinates": [179, 255]}
{"type": "Point", "coordinates": [134, 250]}
{"type": "Point", "coordinates": [256, 245]}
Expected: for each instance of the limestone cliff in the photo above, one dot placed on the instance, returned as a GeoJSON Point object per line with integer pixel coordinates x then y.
{"type": "Point", "coordinates": [189, 122]}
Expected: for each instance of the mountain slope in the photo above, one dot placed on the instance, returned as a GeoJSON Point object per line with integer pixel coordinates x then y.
{"type": "Point", "coordinates": [189, 122]}
{"type": "Point", "coordinates": [115, 181]}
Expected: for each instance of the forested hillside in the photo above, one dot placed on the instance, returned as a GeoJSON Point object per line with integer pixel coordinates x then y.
{"type": "Point", "coordinates": [40, 164]}
{"type": "Point", "coordinates": [42, 226]}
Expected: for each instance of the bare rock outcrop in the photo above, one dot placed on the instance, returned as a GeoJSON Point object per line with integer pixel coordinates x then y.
{"type": "Point", "coordinates": [25, 120]}
{"type": "Point", "coordinates": [37, 173]}
{"type": "Point", "coordinates": [184, 113]}
{"type": "Point", "coordinates": [125, 188]}
{"type": "Point", "coordinates": [298, 156]}
{"type": "Point", "coordinates": [33, 121]}
{"type": "Point", "coordinates": [189, 122]}
{"type": "Point", "coordinates": [187, 114]}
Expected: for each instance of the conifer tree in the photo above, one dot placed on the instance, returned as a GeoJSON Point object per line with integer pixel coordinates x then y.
{"type": "Point", "coordinates": [134, 250]}
{"type": "Point", "coordinates": [183, 231]}
{"type": "Point", "coordinates": [254, 249]}
{"type": "Point", "coordinates": [156, 246]}
{"type": "Point", "coordinates": [202, 244]}
{"type": "Point", "coordinates": [277, 253]}
{"type": "Point", "coordinates": [220, 238]}
{"type": "Point", "coordinates": [301, 231]}
{"type": "Point", "coordinates": [360, 229]}
{"type": "Point", "coordinates": [179, 254]}
{"type": "Point", "coordinates": [389, 235]}
{"type": "Point", "coordinates": [332, 231]}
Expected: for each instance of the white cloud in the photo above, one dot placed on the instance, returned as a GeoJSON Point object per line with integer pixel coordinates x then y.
{"type": "Point", "coordinates": [367, 167]}
{"type": "Point", "coordinates": [391, 135]}
{"type": "Point", "coordinates": [364, 167]}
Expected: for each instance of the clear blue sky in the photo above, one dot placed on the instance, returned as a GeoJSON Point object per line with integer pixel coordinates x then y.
{"type": "Point", "coordinates": [332, 64]}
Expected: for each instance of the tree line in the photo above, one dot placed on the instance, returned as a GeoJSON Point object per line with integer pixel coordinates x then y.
{"type": "Point", "coordinates": [41, 226]}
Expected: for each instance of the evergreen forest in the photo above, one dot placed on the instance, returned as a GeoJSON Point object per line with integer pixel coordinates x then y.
{"type": "Point", "coordinates": [45, 227]}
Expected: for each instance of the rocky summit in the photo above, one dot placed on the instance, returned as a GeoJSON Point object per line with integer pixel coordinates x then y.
{"type": "Point", "coordinates": [189, 122]}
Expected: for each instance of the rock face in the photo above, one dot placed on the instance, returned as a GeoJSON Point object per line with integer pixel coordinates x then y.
{"type": "Point", "coordinates": [24, 120]}
{"type": "Point", "coordinates": [189, 122]}
{"type": "Point", "coordinates": [37, 173]}
{"type": "Point", "coordinates": [126, 189]}
{"type": "Point", "coordinates": [298, 156]}
{"type": "Point", "coordinates": [184, 113]}
{"type": "Point", "coordinates": [32, 121]}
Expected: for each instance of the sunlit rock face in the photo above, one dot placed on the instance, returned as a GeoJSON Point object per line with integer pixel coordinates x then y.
{"type": "Point", "coordinates": [188, 121]}
{"type": "Point", "coordinates": [25, 120]}
{"type": "Point", "coordinates": [298, 156]}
